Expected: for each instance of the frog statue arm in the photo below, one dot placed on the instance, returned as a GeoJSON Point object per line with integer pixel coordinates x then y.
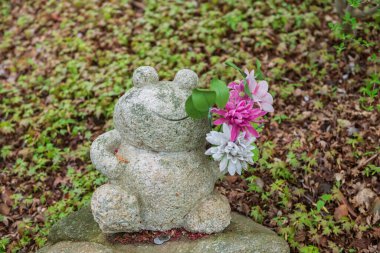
{"type": "Point", "coordinates": [103, 153]}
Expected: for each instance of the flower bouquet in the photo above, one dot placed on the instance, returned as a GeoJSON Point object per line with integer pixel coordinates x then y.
{"type": "Point", "coordinates": [236, 110]}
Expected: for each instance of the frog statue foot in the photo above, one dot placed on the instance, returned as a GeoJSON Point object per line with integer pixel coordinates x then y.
{"type": "Point", "coordinates": [115, 210]}
{"type": "Point", "coordinates": [159, 176]}
{"type": "Point", "coordinates": [210, 215]}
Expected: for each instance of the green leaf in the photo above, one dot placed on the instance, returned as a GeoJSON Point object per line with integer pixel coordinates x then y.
{"type": "Point", "coordinates": [256, 154]}
{"type": "Point", "coordinates": [192, 111]}
{"type": "Point", "coordinates": [326, 197]}
{"type": "Point", "coordinates": [222, 92]}
{"type": "Point", "coordinates": [320, 205]}
{"type": "Point", "coordinates": [259, 74]}
{"type": "Point", "coordinates": [309, 249]}
{"type": "Point", "coordinates": [232, 65]}
{"type": "Point", "coordinates": [246, 88]}
{"type": "Point", "coordinates": [203, 99]}
{"type": "Point", "coordinates": [354, 3]}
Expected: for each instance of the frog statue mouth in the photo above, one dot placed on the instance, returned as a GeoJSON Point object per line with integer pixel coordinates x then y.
{"type": "Point", "coordinates": [170, 119]}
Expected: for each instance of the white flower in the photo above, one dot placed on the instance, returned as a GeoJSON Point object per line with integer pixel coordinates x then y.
{"type": "Point", "coordinates": [233, 156]}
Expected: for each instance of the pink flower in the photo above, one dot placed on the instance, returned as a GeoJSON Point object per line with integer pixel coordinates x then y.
{"type": "Point", "coordinates": [239, 116]}
{"type": "Point", "coordinates": [262, 97]}
{"type": "Point", "coordinates": [237, 93]}
{"type": "Point", "coordinates": [260, 93]}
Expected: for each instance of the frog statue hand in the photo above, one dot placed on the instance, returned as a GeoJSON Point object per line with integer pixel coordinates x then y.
{"type": "Point", "coordinates": [160, 178]}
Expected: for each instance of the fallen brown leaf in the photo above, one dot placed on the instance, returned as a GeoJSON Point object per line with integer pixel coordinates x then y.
{"type": "Point", "coordinates": [341, 211]}
{"type": "Point", "coordinates": [376, 206]}
{"type": "Point", "coordinates": [60, 180]}
{"type": "Point", "coordinates": [4, 209]}
{"type": "Point", "coordinates": [6, 197]}
{"type": "Point", "coordinates": [344, 201]}
{"type": "Point", "coordinates": [231, 179]}
{"type": "Point", "coordinates": [364, 198]}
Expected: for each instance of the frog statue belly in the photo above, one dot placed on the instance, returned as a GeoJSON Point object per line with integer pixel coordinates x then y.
{"type": "Point", "coordinates": [159, 177]}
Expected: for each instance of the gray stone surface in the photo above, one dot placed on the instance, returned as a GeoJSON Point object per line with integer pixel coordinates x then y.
{"type": "Point", "coordinates": [241, 236]}
{"type": "Point", "coordinates": [160, 174]}
{"type": "Point", "coordinates": [77, 247]}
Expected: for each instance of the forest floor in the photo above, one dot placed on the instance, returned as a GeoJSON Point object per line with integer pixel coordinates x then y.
{"type": "Point", "coordinates": [63, 64]}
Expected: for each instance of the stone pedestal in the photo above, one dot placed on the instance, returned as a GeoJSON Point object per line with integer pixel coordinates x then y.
{"type": "Point", "coordinates": [79, 233]}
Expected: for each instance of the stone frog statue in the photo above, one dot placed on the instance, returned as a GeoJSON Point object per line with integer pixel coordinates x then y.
{"type": "Point", "coordinates": [159, 176]}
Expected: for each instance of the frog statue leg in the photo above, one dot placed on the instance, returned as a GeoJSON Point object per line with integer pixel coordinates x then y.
{"type": "Point", "coordinates": [113, 207]}
{"type": "Point", "coordinates": [212, 214]}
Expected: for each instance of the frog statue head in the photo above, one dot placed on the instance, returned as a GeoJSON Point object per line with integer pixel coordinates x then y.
{"type": "Point", "coordinates": [152, 114]}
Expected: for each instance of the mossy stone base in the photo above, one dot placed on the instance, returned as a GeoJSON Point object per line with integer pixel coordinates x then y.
{"type": "Point", "coordinates": [79, 233]}
{"type": "Point", "coordinates": [78, 226]}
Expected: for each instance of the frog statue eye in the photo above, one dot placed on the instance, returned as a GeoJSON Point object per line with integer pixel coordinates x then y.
{"type": "Point", "coordinates": [186, 79]}
{"type": "Point", "coordinates": [144, 75]}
